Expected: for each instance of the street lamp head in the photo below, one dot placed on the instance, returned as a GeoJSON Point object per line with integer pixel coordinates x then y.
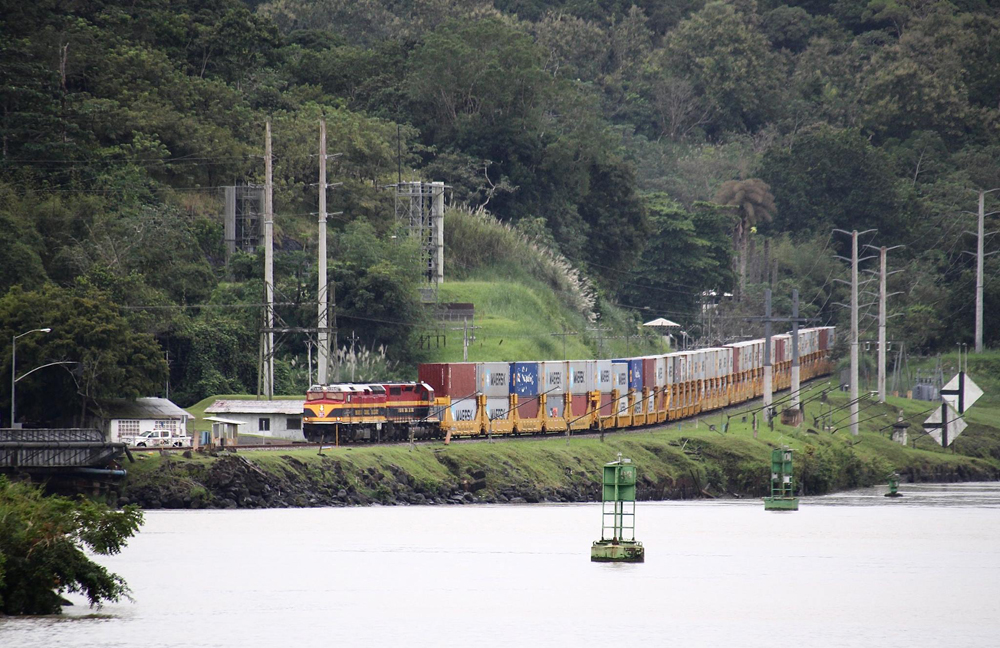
{"type": "Point", "coordinates": [45, 330]}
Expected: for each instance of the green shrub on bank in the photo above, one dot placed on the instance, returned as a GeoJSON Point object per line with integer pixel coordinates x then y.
{"type": "Point", "coordinates": [43, 544]}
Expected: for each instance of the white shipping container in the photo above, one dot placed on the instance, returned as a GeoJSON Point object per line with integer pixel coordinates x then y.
{"type": "Point", "coordinates": [493, 378]}
{"type": "Point", "coordinates": [619, 372]}
{"type": "Point", "coordinates": [581, 376]}
{"type": "Point", "coordinates": [497, 408]}
{"type": "Point", "coordinates": [554, 377]}
{"type": "Point", "coordinates": [464, 409]}
{"type": "Point", "coordinates": [603, 375]}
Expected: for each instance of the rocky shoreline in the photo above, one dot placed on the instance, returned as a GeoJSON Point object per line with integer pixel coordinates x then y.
{"type": "Point", "coordinates": [232, 480]}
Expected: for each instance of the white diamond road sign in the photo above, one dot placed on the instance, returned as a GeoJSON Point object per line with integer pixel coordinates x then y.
{"type": "Point", "coordinates": [971, 390]}
{"type": "Point", "coordinates": [955, 425]}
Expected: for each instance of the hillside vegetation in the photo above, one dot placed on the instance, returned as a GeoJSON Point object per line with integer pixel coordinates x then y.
{"type": "Point", "coordinates": [657, 153]}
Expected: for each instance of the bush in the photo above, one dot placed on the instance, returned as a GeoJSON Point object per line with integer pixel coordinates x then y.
{"type": "Point", "coordinates": [42, 549]}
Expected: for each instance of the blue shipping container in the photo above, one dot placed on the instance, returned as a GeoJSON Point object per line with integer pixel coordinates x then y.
{"type": "Point", "coordinates": [634, 372]}
{"type": "Point", "coordinates": [524, 378]}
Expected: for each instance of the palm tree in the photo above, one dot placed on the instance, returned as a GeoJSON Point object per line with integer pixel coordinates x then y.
{"type": "Point", "coordinates": [753, 203]}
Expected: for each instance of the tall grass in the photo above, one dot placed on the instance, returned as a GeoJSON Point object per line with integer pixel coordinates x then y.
{"type": "Point", "coordinates": [478, 246]}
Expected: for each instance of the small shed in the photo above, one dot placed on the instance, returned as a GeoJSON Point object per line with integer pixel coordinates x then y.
{"type": "Point", "coordinates": [122, 420]}
{"type": "Point", "coordinates": [224, 434]}
{"type": "Point", "coordinates": [265, 418]}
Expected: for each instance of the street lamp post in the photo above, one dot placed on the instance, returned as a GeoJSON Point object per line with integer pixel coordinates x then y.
{"type": "Point", "coordinates": [13, 363]}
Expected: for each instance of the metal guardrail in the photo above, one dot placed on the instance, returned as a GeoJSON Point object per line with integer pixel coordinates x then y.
{"type": "Point", "coordinates": [56, 449]}
{"type": "Point", "coordinates": [52, 434]}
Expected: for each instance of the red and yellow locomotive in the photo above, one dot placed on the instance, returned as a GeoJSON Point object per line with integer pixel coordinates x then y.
{"type": "Point", "coordinates": [369, 412]}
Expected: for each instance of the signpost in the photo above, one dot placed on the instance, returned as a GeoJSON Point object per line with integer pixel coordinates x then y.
{"type": "Point", "coordinates": [961, 393]}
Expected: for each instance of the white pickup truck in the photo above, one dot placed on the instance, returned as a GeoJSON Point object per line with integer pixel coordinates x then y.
{"type": "Point", "coordinates": [162, 438]}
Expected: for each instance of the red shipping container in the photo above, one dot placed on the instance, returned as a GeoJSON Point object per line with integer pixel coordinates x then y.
{"type": "Point", "coordinates": [579, 405]}
{"type": "Point", "coordinates": [527, 408]}
{"type": "Point", "coordinates": [649, 373]}
{"type": "Point", "coordinates": [455, 379]}
{"type": "Point", "coordinates": [736, 360]}
{"type": "Point", "coordinates": [823, 333]}
{"type": "Point", "coordinates": [607, 408]}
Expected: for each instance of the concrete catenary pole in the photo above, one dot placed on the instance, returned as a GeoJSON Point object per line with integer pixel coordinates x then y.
{"type": "Point", "coordinates": [795, 348]}
{"type": "Point", "coordinates": [768, 387]}
{"type": "Point", "coordinates": [268, 267]}
{"type": "Point", "coordinates": [881, 325]}
{"type": "Point", "coordinates": [854, 332]}
{"type": "Point", "coordinates": [323, 312]}
{"type": "Point", "coordinates": [979, 272]}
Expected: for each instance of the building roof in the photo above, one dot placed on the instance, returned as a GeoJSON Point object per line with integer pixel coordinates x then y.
{"type": "Point", "coordinates": [255, 407]}
{"type": "Point", "coordinates": [216, 419]}
{"type": "Point", "coordinates": [142, 408]}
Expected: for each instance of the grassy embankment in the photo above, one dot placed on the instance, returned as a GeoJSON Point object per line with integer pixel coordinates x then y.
{"type": "Point", "coordinates": [686, 459]}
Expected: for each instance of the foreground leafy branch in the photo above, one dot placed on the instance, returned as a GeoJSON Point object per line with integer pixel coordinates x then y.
{"type": "Point", "coordinates": [42, 549]}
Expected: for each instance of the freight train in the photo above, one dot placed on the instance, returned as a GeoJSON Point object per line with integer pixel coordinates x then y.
{"type": "Point", "coordinates": [468, 399]}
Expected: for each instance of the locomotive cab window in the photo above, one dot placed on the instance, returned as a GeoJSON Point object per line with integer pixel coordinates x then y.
{"type": "Point", "coordinates": [395, 391]}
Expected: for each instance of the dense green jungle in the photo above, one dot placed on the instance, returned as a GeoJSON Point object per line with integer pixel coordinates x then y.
{"type": "Point", "coordinates": [607, 162]}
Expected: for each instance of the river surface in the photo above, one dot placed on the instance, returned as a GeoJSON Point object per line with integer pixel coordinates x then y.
{"type": "Point", "coordinates": [853, 569]}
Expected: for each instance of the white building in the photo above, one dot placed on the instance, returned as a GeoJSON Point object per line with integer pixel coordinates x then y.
{"type": "Point", "coordinates": [123, 420]}
{"type": "Point", "coordinates": [267, 418]}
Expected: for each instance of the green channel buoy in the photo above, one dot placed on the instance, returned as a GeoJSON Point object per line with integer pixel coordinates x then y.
{"type": "Point", "coordinates": [894, 486]}
{"type": "Point", "coordinates": [782, 486]}
{"type": "Point", "coordinates": [618, 543]}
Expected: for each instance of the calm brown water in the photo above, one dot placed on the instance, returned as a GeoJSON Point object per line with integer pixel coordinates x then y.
{"type": "Point", "coordinates": [854, 569]}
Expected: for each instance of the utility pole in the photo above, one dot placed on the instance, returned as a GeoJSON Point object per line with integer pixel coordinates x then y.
{"type": "Point", "coordinates": [768, 320]}
{"type": "Point", "coordinates": [854, 326]}
{"type": "Point", "coordinates": [323, 312]}
{"type": "Point", "coordinates": [980, 257]}
{"type": "Point", "coordinates": [466, 339]}
{"type": "Point", "coordinates": [854, 333]}
{"type": "Point", "coordinates": [354, 358]}
{"type": "Point", "coordinates": [768, 385]}
{"type": "Point", "coordinates": [600, 339]}
{"type": "Point", "coordinates": [881, 325]}
{"type": "Point", "coordinates": [563, 336]}
{"type": "Point", "coordinates": [795, 349]}
{"type": "Point", "coordinates": [882, 317]}
{"type": "Point", "coordinates": [268, 267]}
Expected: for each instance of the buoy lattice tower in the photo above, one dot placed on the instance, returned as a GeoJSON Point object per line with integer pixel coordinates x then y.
{"type": "Point", "coordinates": [782, 485]}
{"type": "Point", "coordinates": [618, 543]}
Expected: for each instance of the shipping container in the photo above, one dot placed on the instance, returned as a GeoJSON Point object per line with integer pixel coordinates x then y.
{"type": "Point", "coordinates": [581, 376]}
{"type": "Point", "coordinates": [604, 380]}
{"type": "Point", "coordinates": [711, 363]}
{"type": "Point", "coordinates": [668, 361]}
{"type": "Point", "coordinates": [493, 378]}
{"type": "Point", "coordinates": [527, 408]}
{"type": "Point", "coordinates": [463, 409]}
{"type": "Point", "coordinates": [497, 408]}
{"type": "Point", "coordinates": [619, 371]}
{"type": "Point", "coordinates": [654, 371]}
{"type": "Point", "coordinates": [524, 378]}
{"type": "Point", "coordinates": [554, 379]}
{"type": "Point", "coordinates": [824, 339]}
{"type": "Point", "coordinates": [735, 351]}
{"type": "Point", "coordinates": [455, 379]}
{"type": "Point", "coordinates": [580, 403]}
{"type": "Point", "coordinates": [634, 372]}
{"type": "Point", "coordinates": [649, 372]}
{"type": "Point", "coordinates": [554, 406]}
